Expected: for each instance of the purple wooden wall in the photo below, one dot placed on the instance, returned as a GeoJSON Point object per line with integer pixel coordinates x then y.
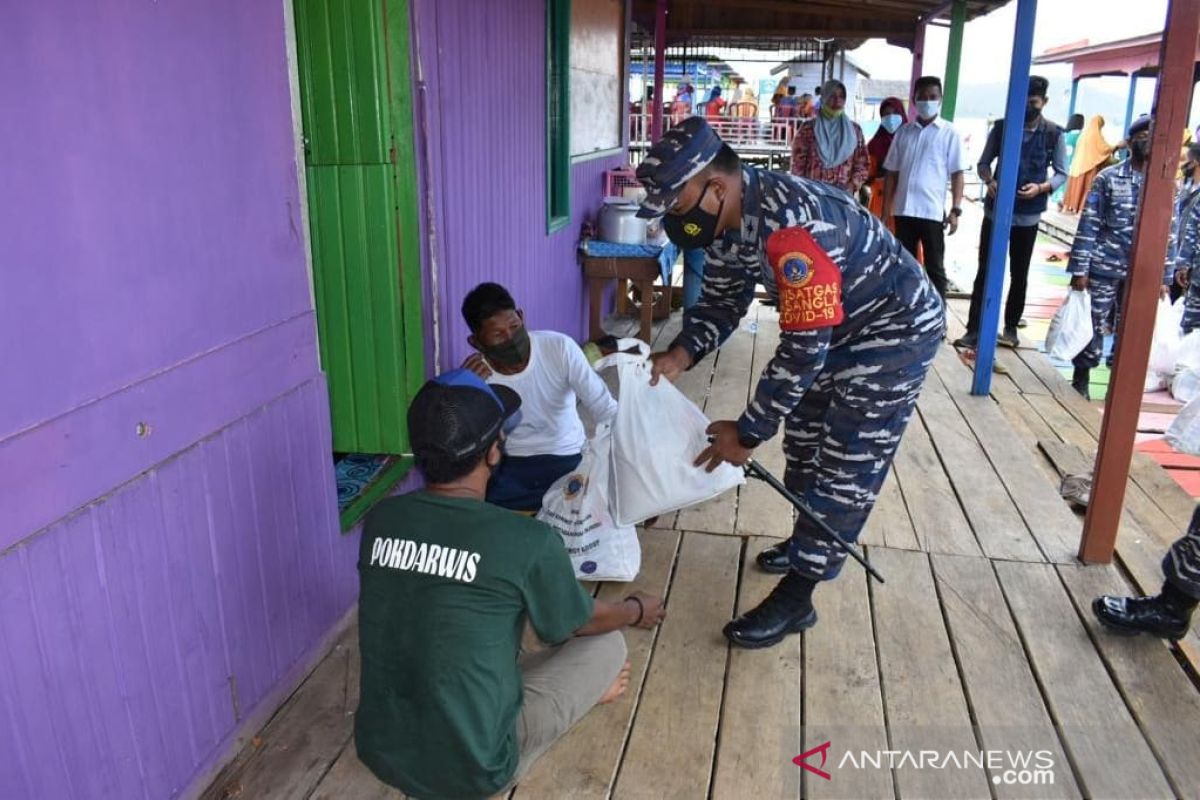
{"type": "Point", "coordinates": [169, 548]}
{"type": "Point", "coordinates": [169, 552]}
{"type": "Point", "coordinates": [481, 122]}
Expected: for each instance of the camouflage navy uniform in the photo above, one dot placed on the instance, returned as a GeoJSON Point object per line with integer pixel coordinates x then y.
{"type": "Point", "coordinates": [1181, 565]}
{"type": "Point", "coordinates": [1186, 252]}
{"type": "Point", "coordinates": [853, 352]}
{"type": "Point", "coordinates": [1102, 247]}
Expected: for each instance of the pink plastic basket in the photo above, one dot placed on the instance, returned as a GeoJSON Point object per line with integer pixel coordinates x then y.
{"type": "Point", "coordinates": [616, 181]}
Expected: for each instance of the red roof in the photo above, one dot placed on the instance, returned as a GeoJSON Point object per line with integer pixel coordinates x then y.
{"type": "Point", "coordinates": [1138, 54]}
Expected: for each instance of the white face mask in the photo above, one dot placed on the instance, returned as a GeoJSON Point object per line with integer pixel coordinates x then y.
{"type": "Point", "coordinates": [928, 109]}
{"type": "Point", "coordinates": [891, 122]}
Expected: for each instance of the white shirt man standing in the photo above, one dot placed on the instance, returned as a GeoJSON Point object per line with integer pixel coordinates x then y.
{"type": "Point", "coordinates": [925, 156]}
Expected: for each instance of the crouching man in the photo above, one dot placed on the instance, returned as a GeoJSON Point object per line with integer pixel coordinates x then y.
{"type": "Point", "coordinates": [551, 374]}
{"type": "Point", "coordinates": [448, 708]}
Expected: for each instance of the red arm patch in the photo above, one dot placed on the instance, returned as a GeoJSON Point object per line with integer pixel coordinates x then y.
{"type": "Point", "coordinates": [809, 283]}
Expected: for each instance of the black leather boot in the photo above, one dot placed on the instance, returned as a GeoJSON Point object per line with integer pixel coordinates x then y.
{"type": "Point", "coordinates": [1162, 615]}
{"type": "Point", "coordinates": [774, 559]}
{"type": "Point", "coordinates": [1080, 380]}
{"type": "Point", "coordinates": [967, 340]}
{"type": "Point", "coordinates": [787, 609]}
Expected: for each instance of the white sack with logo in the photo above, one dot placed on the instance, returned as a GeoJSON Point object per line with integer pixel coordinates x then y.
{"type": "Point", "coordinates": [657, 435]}
{"type": "Point", "coordinates": [577, 506]}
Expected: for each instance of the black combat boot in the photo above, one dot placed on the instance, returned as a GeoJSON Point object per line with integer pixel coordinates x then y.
{"type": "Point", "coordinates": [968, 340]}
{"type": "Point", "coordinates": [1167, 615]}
{"type": "Point", "coordinates": [774, 559]}
{"type": "Point", "coordinates": [787, 609]}
{"type": "Point", "coordinates": [1080, 380]}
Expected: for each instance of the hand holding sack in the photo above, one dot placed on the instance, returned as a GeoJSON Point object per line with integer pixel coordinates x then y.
{"type": "Point", "coordinates": [656, 437]}
{"type": "Point", "coordinates": [1071, 329]}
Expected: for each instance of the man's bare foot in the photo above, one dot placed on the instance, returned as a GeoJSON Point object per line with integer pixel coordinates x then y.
{"type": "Point", "coordinates": [618, 687]}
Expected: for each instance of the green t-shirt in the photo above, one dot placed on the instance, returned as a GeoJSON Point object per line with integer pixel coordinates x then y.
{"type": "Point", "coordinates": [446, 587]}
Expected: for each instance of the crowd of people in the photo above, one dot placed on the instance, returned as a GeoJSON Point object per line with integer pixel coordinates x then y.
{"type": "Point", "coordinates": [453, 575]}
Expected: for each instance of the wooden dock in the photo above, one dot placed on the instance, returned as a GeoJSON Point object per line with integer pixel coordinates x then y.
{"type": "Point", "coordinates": [982, 639]}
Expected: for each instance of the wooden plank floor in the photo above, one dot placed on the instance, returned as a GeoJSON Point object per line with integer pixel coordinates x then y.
{"type": "Point", "coordinates": [979, 649]}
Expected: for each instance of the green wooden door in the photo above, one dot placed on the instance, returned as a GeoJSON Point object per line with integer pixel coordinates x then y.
{"type": "Point", "coordinates": [355, 101]}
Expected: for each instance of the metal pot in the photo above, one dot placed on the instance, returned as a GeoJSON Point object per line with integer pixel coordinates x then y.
{"type": "Point", "coordinates": [619, 222]}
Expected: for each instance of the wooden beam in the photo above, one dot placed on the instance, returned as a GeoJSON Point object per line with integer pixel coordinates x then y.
{"type": "Point", "coordinates": [918, 64]}
{"type": "Point", "coordinates": [660, 67]}
{"type": "Point", "coordinates": [856, 9]}
{"type": "Point", "coordinates": [953, 59]}
{"type": "Point", "coordinates": [1123, 405]}
{"type": "Point", "coordinates": [824, 30]}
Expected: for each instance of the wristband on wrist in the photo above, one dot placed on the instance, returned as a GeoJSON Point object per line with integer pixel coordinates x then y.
{"type": "Point", "coordinates": [641, 609]}
{"type": "Point", "coordinates": [748, 442]}
{"type": "Point", "coordinates": [956, 211]}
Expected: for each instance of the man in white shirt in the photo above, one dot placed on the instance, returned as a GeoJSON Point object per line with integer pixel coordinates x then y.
{"type": "Point", "coordinates": [924, 157]}
{"type": "Point", "coordinates": [551, 374]}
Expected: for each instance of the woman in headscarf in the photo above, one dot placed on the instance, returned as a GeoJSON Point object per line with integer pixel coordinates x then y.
{"type": "Point", "coordinates": [831, 148]}
{"type": "Point", "coordinates": [1071, 135]}
{"type": "Point", "coordinates": [715, 105]}
{"type": "Point", "coordinates": [1092, 154]}
{"type": "Point", "coordinates": [804, 107]}
{"type": "Point", "coordinates": [891, 117]}
{"type": "Point", "coordinates": [781, 89]}
{"type": "Point", "coordinates": [681, 106]}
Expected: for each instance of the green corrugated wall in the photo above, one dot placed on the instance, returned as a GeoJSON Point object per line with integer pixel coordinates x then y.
{"type": "Point", "coordinates": [362, 214]}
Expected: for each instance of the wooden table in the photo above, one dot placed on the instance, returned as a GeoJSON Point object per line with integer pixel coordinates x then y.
{"type": "Point", "coordinates": [641, 271]}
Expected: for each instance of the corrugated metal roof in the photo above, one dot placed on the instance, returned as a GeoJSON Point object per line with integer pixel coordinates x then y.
{"type": "Point", "coordinates": [768, 24]}
{"type": "Point", "coordinates": [1068, 53]}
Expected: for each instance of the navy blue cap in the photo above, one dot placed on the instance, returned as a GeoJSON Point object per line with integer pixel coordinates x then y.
{"type": "Point", "coordinates": [675, 159]}
{"type": "Point", "coordinates": [458, 414]}
{"type": "Point", "coordinates": [1140, 124]}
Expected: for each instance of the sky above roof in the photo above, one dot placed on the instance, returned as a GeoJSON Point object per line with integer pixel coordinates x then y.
{"type": "Point", "coordinates": [987, 53]}
{"type": "Point", "coordinates": [987, 41]}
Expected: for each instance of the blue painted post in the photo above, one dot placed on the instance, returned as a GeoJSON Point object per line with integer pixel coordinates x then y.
{"type": "Point", "coordinates": [1074, 97]}
{"type": "Point", "coordinates": [1006, 192]}
{"type": "Point", "coordinates": [1129, 102]}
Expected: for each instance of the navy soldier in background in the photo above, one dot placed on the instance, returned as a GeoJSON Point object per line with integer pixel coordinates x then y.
{"type": "Point", "coordinates": [1104, 243]}
{"type": "Point", "coordinates": [1186, 248]}
{"type": "Point", "coordinates": [859, 326]}
{"type": "Point", "coordinates": [1169, 613]}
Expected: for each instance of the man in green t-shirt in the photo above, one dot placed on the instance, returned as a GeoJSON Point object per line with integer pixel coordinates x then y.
{"type": "Point", "coordinates": [448, 582]}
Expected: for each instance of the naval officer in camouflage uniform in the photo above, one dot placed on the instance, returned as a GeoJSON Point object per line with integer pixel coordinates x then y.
{"type": "Point", "coordinates": [1169, 613]}
{"type": "Point", "coordinates": [1186, 247]}
{"type": "Point", "coordinates": [860, 323]}
{"type": "Point", "coordinates": [1104, 242]}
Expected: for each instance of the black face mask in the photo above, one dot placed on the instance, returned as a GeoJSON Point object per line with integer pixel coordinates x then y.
{"type": "Point", "coordinates": [512, 353]}
{"type": "Point", "coordinates": [1140, 150]}
{"type": "Point", "coordinates": [696, 228]}
{"type": "Point", "coordinates": [1032, 112]}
